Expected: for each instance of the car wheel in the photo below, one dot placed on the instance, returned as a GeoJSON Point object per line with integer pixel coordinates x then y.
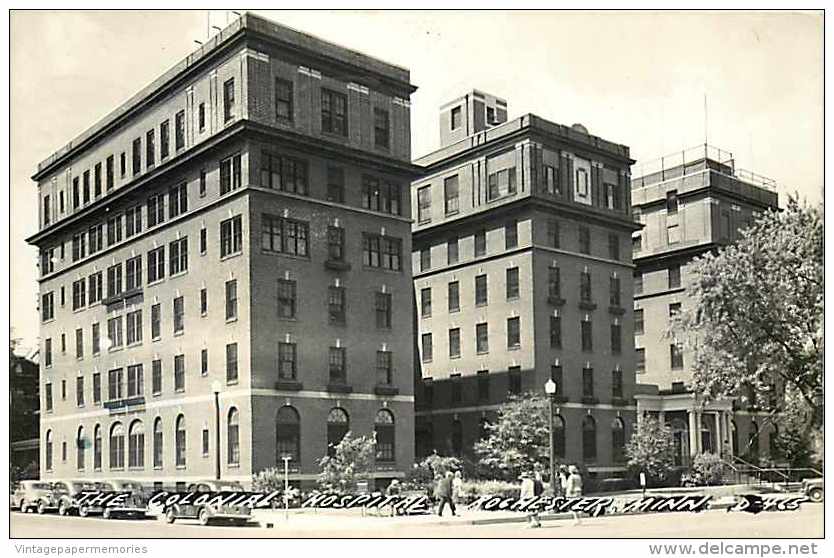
{"type": "Point", "coordinates": [204, 516]}
{"type": "Point", "coordinates": [106, 514]}
{"type": "Point", "coordinates": [170, 515]}
{"type": "Point", "coordinates": [41, 507]}
{"type": "Point", "coordinates": [815, 494]}
{"type": "Point", "coordinates": [82, 512]}
{"type": "Point", "coordinates": [63, 510]}
{"type": "Point", "coordinates": [24, 507]}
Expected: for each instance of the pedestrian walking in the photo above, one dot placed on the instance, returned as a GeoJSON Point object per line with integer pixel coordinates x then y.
{"type": "Point", "coordinates": [394, 489]}
{"type": "Point", "coordinates": [457, 488]}
{"type": "Point", "coordinates": [435, 490]}
{"type": "Point", "coordinates": [445, 494]}
{"type": "Point", "coordinates": [528, 492]}
{"type": "Point", "coordinates": [573, 489]}
{"type": "Point", "coordinates": [563, 479]}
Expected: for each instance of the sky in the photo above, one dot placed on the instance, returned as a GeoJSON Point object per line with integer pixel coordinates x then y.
{"type": "Point", "coordinates": [637, 78]}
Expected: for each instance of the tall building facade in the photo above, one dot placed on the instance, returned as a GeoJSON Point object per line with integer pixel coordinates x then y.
{"type": "Point", "coordinates": [690, 203]}
{"type": "Point", "coordinates": [522, 273]}
{"type": "Point", "coordinates": [223, 259]}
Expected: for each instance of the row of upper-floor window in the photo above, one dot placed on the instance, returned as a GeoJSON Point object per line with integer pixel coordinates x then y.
{"type": "Point", "coordinates": [513, 290]}
{"type": "Point", "coordinates": [553, 240]}
{"type": "Point", "coordinates": [673, 279]}
{"type": "Point", "coordinates": [675, 358]}
{"type": "Point", "coordinates": [513, 333]}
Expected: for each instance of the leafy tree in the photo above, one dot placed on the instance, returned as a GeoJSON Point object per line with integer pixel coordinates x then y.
{"type": "Point", "coordinates": [797, 444]}
{"type": "Point", "coordinates": [422, 474]}
{"type": "Point", "coordinates": [651, 449]}
{"type": "Point", "coordinates": [519, 440]}
{"type": "Point", "coordinates": [709, 467]}
{"type": "Point", "coordinates": [353, 461]}
{"type": "Point", "coordinates": [755, 325]}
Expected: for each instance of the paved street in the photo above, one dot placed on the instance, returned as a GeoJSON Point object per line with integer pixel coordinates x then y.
{"type": "Point", "coordinates": [805, 523]}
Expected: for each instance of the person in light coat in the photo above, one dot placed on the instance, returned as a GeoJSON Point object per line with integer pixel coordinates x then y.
{"type": "Point", "coordinates": [573, 489]}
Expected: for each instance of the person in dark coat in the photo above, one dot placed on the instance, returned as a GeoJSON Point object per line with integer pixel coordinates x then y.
{"type": "Point", "coordinates": [444, 493]}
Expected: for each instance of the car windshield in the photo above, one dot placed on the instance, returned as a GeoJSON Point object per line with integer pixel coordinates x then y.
{"type": "Point", "coordinates": [83, 486]}
{"type": "Point", "coordinates": [39, 486]}
{"type": "Point", "coordinates": [227, 486]}
{"type": "Point", "coordinates": [104, 486]}
{"type": "Point", "coordinates": [131, 486]}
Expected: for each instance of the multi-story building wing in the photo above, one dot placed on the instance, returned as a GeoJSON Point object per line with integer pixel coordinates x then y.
{"type": "Point", "coordinates": [522, 272]}
{"type": "Point", "coordinates": [690, 203]}
{"type": "Point", "coordinates": [240, 227]}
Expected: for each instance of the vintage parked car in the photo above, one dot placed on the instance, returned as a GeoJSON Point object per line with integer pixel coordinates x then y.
{"type": "Point", "coordinates": [136, 505]}
{"type": "Point", "coordinates": [237, 515]}
{"type": "Point", "coordinates": [33, 495]}
{"type": "Point", "coordinates": [813, 489]}
{"type": "Point", "coordinates": [67, 492]}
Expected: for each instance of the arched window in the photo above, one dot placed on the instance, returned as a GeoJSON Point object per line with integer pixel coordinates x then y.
{"type": "Point", "coordinates": [559, 435]}
{"type": "Point", "coordinates": [384, 430]}
{"type": "Point", "coordinates": [79, 449]}
{"type": "Point", "coordinates": [618, 440]}
{"type": "Point", "coordinates": [48, 450]}
{"type": "Point", "coordinates": [233, 436]}
{"type": "Point", "coordinates": [97, 448]}
{"type": "Point", "coordinates": [287, 436]}
{"type": "Point", "coordinates": [136, 444]}
{"type": "Point", "coordinates": [457, 438]}
{"type": "Point", "coordinates": [180, 442]}
{"type": "Point", "coordinates": [338, 424]}
{"type": "Point", "coordinates": [157, 442]}
{"type": "Point", "coordinates": [589, 438]}
{"type": "Point", "coordinates": [117, 446]}
{"type": "Point", "coordinates": [753, 439]}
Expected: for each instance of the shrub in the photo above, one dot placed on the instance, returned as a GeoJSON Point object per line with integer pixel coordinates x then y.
{"type": "Point", "coordinates": [421, 476]}
{"type": "Point", "coordinates": [708, 468]}
{"type": "Point", "coordinates": [471, 490]}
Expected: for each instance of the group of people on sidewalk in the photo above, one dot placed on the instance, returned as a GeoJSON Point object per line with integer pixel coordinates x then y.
{"type": "Point", "coordinates": [447, 490]}
{"type": "Point", "coordinates": [568, 484]}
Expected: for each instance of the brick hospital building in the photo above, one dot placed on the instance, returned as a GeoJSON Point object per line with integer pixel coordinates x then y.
{"type": "Point", "coordinates": [238, 231]}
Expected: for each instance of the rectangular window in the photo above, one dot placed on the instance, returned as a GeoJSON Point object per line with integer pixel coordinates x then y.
{"type": "Point", "coordinates": [283, 99]}
{"type": "Point", "coordinates": [676, 356]}
{"type": "Point", "coordinates": [96, 388]}
{"type": "Point", "coordinates": [514, 377]}
{"type": "Point", "coordinates": [178, 256]}
{"type": "Point", "coordinates": [203, 241]}
{"type": "Point", "coordinates": [457, 117]}
{"type": "Point", "coordinates": [79, 246]}
{"type": "Point", "coordinates": [231, 363]}
{"type": "Point", "coordinates": [150, 149]}
{"type": "Point", "coordinates": [614, 294]}
{"type": "Point", "coordinates": [97, 180]}
{"type": "Point", "coordinates": [584, 240]}
{"type": "Point", "coordinates": [334, 112]}
{"type": "Point", "coordinates": [554, 284]}
{"type": "Point", "coordinates": [137, 156]}
{"type": "Point", "coordinates": [336, 305]}
{"type": "Point", "coordinates": [231, 236]}
{"type": "Point", "coordinates": [156, 376]}
{"type": "Point", "coordinates": [638, 283]}
{"type": "Point", "coordinates": [335, 244]}
{"type": "Point", "coordinates": [230, 174]}
{"type": "Point", "coordinates": [202, 187]}
{"type": "Point", "coordinates": [122, 164]}
{"type": "Point", "coordinates": [96, 334]}
{"type": "Point", "coordinates": [556, 376]}
{"type": "Point", "coordinates": [164, 140]}
{"type": "Point", "coordinates": [135, 381]}
{"type": "Point", "coordinates": [177, 200]}
{"type": "Point", "coordinates": [640, 366]}
{"type": "Point", "coordinates": [674, 277]}
{"type": "Point", "coordinates": [639, 326]}
{"type": "Point", "coordinates": [156, 321]}
{"type": "Point", "coordinates": [382, 251]}
{"type": "Point", "coordinates": [228, 100]}
{"type": "Point", "coordinates": [76, 193]}
{"type": "Point", "coordinates": [133, 273]}
{"type": "Point", "coordinates": [613, 247]}
{"type": "Point", "coordinates": [114, 230]}
{"type": "Point", "coordinates": [512, 283]}
{"type": "Point", "coordinates": [86, 182]}
{"type": "Point", "coordinates": [553, 235]}
{"type": "Point", "coordinates": [114, 280]}
{"type": "Point", "coordinates": [96, 234]}
{"type": "Point", "coordinates": [551, 180]}
{"type": "Point", "coordinates": [511, 235]}
{"type": "Point", "coordinates": [451, 195]}
{"type": "Point", "coordinates": [336, 184]}
{"type": "Point", "coordinates": [179, 130]}
{"type": "Point", "coordinates": [134, 327]}
{"type": "Point", "coordinates": [585, 294]}
{"type": "Point", "coordinates": [586, 333]}
{"type": "Point", "coordinates": [588, 382]}
{"type": "Point", "coordinates": [156, 264]}
{"type": "Point", "coordinates": [286, 361]}
{"type": "Point", "coordinates": [179, 373]}
{"type": "Point", "coordinates": [286, 298]}
{"type": "Point", "coordinates": [501, 183]}
{"type": "Point", "coordinates": [480, 243]}
{"type": "Point", "coordinates": [384, 368]}
{"type": "Point", "coordinates": [338, 365]}
{"type": "Point", "coordinates": [454, 343]}
{"type": "Point", "coordinates": [617, 384]}
{"type": "Point", "coordinates": [616, 339]}
{"type": "Point", "coordinates": [285, 236]}
{"type": "Point", "coordinates": [231, 299]}
{"type": "Point", "coordinates": [47, 349]}
{"type": "Point", "coordinates": [203, 301]}
{"type": "Point", "coordinates": [673, 234]}
{"type": "Point", "coordinates": [382, 128]}
{"type": "Point", "coordinates": [79, 294]}
{"type": "Point", "coordinates": [482, 338]}
{"type": "Point", "coordinates": [115, 384]}
{"type": "Point", "coordinates": [481, 292]}
{"type": "Point", "coordinates": [425, 259]}
{"type": "Point", "coordinates": [425, 302]}
{"type": "Point", "coordinates": [483, 385]}
{"type": "Point", "coordinates": [109, 174]}
{"type": "Point", "coordinates": [555, 332]}
{"type": "Point", "coordinates": [179, 314]}
{"type": "Point", "coordinates": [205, 442]}
{"type": "Point", "coordinates": [204, 362]}
{"type": "Point", "coordinates": [382, 303]}
{"type": "Point", "coordinates": [452, 253]}
{"type": "Point", "coordinates": [133, 221]}
{"type": "Point", "coordinates": [513, 333]}
{"type": "Point", "coordinates": [380, 196]}
{"type": "Point", "coordinates": [454, 296]}
{"type": "Point", "coordinates": [114, 332]}
{"type": "Point", "coordinates": [672, 202]}
{"type": "Point", "coordinates": [48, 397]}
{"type": "Point", "coordinates": [424, 204]}
{"type": "Point", "coordinates": [426, 345]}
{"type": "Point", "coordinates": [201, 116]}
{"type": "Point", "coordinates": [283, 173]}
{"type": "Point", "coordinates": [156, 210]}
{"type": "Point", "coordinates": [48, 306]}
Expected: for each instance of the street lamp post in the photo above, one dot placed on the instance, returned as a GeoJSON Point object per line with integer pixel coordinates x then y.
{"type": "Point", "coordinates": [215, 387]}
{"type": "Point", "coordinates": [286, 459]}
{"type": "Point", "coordinates": [550, 390]}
